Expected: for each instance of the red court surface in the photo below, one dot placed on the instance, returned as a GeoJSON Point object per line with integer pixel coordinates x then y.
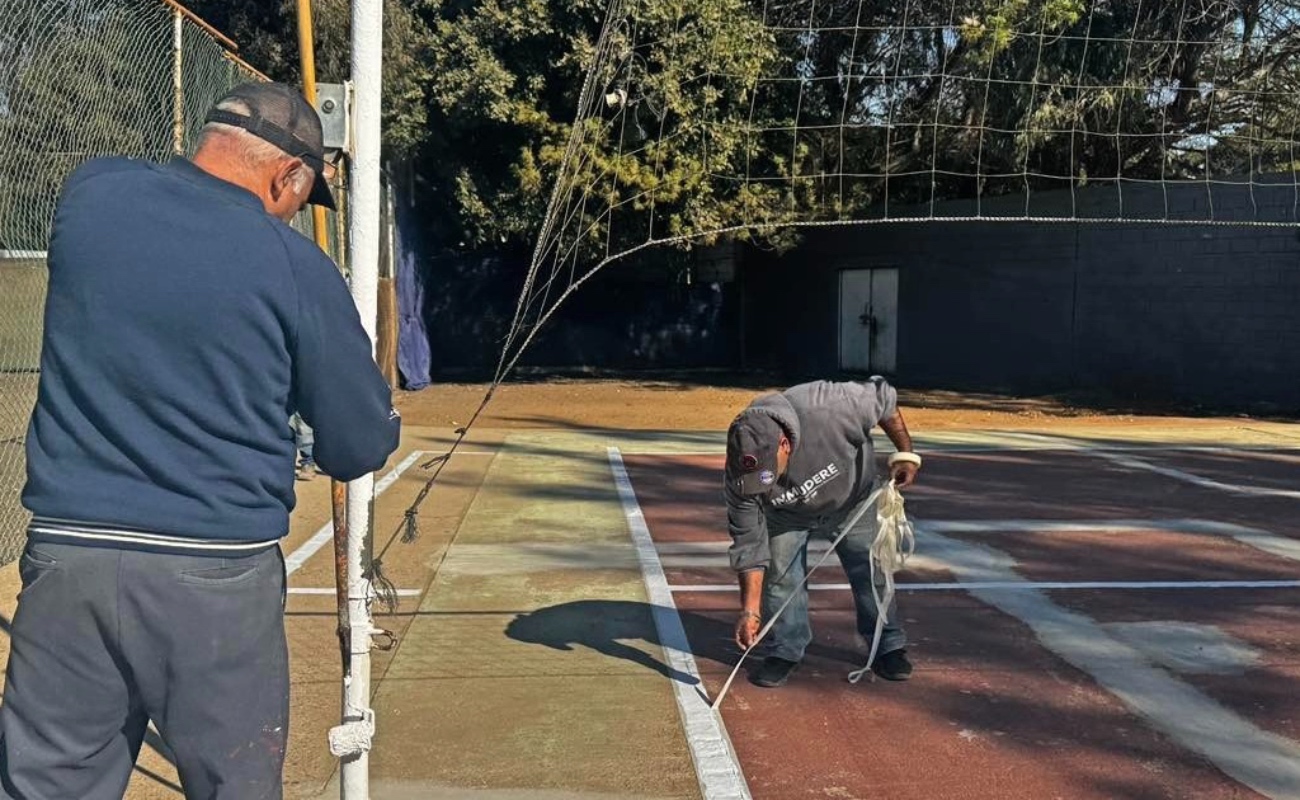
{"type": "Point", "coordinates": [992, 711]}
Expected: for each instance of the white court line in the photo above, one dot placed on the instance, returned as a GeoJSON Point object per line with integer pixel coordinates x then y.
{"type": "Point", "coordinates": [711, 554]}
{"type": "Point", "coordinates": [460, 453]}
{"type": "Point", "coordinates": [1264, 761]}
{"type": "Point", "coordinates": [974, 586]}
{"type": "Point", "coordinates": [1132, 462]}
{"type": "Point", "coordinates": [326, 533]}
{"type": "Point", "coordinates": [1262, 540]}
{"type": "Point", "coordinates": [716, 764]}
{"type": "Point", "coordinates": [1194, 479]}
{"type": "Point", "coordinates": [331, 591]}
{"type": "Point", "coordinates": [1026, 443]}
{"type": "Point", "coordinates": [1186, 525]}
{"type": "Point", "coordinates": [688, 554]}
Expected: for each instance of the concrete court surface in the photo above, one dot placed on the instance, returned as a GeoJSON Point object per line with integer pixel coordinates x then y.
{"type": "Point", "coordinates": [492, 693]}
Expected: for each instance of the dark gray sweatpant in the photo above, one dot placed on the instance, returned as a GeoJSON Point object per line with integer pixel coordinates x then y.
{"type": "Point", "coordinates": [105, 640]}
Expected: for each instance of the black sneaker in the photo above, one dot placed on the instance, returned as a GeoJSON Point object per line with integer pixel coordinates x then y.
{"type": "Point", "coordinates": [893, 666]}
{"type": "Point", "coordinates": [773, 672]}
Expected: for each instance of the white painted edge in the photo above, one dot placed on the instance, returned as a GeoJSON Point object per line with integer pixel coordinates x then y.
{"type": "Point", "coordinates": [1265, 762]}
{"type": "Point", "coordinates": [702, 555]}
{"type": "Point", "coordinates": [331, 591]}
{"type": "Point", "coordinates": [326, 533]}
{"type": "Point", "coordinates": [481, 453]}
{"type": "Point", "coordinates": [716, 765]}
{"type": "Point", "coordinates": [1203, 482]}
{"type": "Point", "coordinates": [973, 586]}
{"type": "Point", "coordinates": [1189, 525]}
{"type": "Point", "coordinates": [1115, 456]}
{"type": "Point", "coordinates": [1016, 442]}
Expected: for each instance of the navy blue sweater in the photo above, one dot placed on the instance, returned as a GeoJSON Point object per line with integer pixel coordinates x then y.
{"type": "Point", "coordinates": [184, 325]}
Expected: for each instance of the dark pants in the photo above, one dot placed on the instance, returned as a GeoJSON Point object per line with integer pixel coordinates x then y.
{"type": "Point", "coordinates": [105, 640]}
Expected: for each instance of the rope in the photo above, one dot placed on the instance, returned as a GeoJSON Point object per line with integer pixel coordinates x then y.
{"type": "Point", "coordinates": [894, 543]}
{"type": "Point", "coordinates": [409, 528]}
{"type": "Point", "coordinates": [895, 540]}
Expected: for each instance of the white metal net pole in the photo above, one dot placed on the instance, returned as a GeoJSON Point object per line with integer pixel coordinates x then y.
{"type": "Point", "coordinates": [364, 215]}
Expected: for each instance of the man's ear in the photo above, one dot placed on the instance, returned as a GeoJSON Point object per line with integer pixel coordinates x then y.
{"type": "Point", "coordinates": [282, 180]}
{"type": "Point", "coordinates": [785, 444]}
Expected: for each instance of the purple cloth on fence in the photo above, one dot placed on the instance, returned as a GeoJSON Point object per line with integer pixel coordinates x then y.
{"type": "Point", "coordinates": [414, 359]}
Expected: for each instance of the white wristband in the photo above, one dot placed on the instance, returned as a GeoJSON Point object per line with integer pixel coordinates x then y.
{"type": "Point", "coordinates": [904, 458]}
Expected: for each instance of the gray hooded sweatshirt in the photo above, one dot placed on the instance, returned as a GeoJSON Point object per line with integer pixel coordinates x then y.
{"type": "Point", "coordinates": [831, 467]}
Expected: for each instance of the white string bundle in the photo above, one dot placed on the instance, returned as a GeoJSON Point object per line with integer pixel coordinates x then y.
{"type": "Point", "coordinates": [354, 736]}
{"type": "Point", "coordinates": [894, 543]}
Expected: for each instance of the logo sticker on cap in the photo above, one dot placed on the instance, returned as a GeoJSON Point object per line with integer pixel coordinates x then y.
{"type": "Point", "coordinates": [748, 463]}
{"type": "Point", "coordinates": [766, 477]}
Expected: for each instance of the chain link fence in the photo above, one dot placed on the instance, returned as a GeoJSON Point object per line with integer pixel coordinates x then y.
{"type": "Point", "coordinates": [81, 79]}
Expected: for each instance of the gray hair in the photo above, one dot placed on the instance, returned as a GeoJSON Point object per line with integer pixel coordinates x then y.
{"type": "Point", "coordinates": [253, 151]}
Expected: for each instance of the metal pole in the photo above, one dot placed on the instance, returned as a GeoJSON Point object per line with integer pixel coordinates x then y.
{"type": "Point", "coordinates": [307, 58]}
{"type": "Point", "coordinates": [178, 83]}
{"type": "Point", "coordinates": [367, 61]}
{"type": "Point", "coordinates": [338, 489]}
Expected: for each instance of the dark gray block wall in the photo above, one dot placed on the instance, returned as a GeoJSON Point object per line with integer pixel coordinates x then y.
{"type": "Point", "coordinates": [1189, 312]}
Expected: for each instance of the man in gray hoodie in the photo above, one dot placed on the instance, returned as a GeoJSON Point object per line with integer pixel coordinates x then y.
{"type": "Point", "coordinates": [798, 464]}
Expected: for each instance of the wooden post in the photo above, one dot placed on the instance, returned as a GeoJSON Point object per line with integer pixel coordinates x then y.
{"type": "Point", "coordinates": [386, 329]}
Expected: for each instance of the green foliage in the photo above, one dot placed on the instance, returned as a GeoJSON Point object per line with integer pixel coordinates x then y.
{"type": "Point", "coordinates": [735, 115]}
{"type": "Point", "coordinates": [267, 34]}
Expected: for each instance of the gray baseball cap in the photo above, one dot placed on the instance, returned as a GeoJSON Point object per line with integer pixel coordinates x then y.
{"type": "Point", "coordinates": [752, 443]}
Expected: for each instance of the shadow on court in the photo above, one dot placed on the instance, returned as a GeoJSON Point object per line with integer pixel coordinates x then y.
{"type": "Point", "coordinates": [609, 626]}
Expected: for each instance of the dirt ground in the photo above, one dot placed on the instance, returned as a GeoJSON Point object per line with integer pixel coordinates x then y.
{"type": "Point", "coordinates": [709, 403]}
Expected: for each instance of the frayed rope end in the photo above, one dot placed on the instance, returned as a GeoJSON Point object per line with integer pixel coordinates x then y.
{"type": "Point", "coordinates": [411, 526]}
{"type": "Point", "coordinates": [435, 461]}
{"type": "Point", "coordinates": [385, 591]}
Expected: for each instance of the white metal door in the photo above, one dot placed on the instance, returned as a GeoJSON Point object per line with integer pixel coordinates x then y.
{"type": "Point", "coordinates": [868, 320]}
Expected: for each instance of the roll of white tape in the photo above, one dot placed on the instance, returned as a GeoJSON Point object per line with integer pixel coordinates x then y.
{"type": "Point", "coordinates": [904, 458]}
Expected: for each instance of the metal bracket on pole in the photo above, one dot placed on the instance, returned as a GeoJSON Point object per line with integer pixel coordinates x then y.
{"type": "Point", "coordinates": [334, 106]}
{"type": "Point", "coordinates": [384, 639]}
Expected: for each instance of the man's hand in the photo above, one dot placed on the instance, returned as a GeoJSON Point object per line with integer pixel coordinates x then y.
{"type": "Point", "coordinates": [903, 474]}
{"type": "Point", "coordinates": [747, 628]}
{"type": "Point", "coordinates": [903, 465]}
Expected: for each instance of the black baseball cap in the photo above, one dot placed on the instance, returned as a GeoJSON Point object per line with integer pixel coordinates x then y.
{"type": "Point", "coordinates": [752, 442]}
{"type": "Point", "coordinates": [279, 114]}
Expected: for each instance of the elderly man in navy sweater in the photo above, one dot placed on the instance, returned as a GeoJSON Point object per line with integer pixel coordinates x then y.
{"type": "Point", "coordinates": [185, 323]}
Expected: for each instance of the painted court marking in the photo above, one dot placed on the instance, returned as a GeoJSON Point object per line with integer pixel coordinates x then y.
{"type": "Point", "coordinates": [1194, 479]}
{"type": "Point", "coordinates": [484, 453]}
{"type": "Point", "coordinates": [326, 533]}
{"type": "Point", "coordinates": [716, 764]}
{"type": "Point", "coordinates": [971, 586]}
{"type": "Point", "coordinates": [712, 554]}
{"type": "Point", "coordinates": [331, 591]}
{"type": "Point", "coordinates": [1266, 762]}
{"type": "Point", "coordinates": [1015, 442]}
{"type": "Point", "coordinates": [1132, 462]}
